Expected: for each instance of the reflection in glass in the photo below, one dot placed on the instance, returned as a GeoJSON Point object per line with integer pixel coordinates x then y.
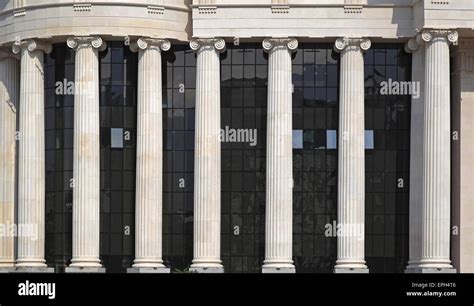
{"type": "Point", "coordinates": [331, 139]}
{"type": "Point", "coordinates": [369, 139]}
{"type": "Point", "coordinates": [116, 138]}
{"type": "Point", "coordinates": [297, 139]}
{"type": "Point", "coordinates": [179, 83]}
{"type": "Point", "coordinates": [243, 106]}
{"type": "Point", "coordinates": [387, 160]}
{"type": "Point", "coordinates": [314, 158]}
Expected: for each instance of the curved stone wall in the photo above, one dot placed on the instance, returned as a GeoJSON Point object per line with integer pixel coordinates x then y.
{"type": "Point", "coordinates": [58, 19]}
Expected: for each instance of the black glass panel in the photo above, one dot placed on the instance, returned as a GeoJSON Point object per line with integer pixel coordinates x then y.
{"type": "Point", "coordinates": [387, 160]}
{"type": "Point", "coordinates": [118, 83]}
{"type": "Point", "coordinates": [243, 112]}
{"type": "Point", "coordinates": [179, 86]}
{"type": "Point", "coordinates": [315, 120]}
{"type": "Point", "coordinates": [59, 123]}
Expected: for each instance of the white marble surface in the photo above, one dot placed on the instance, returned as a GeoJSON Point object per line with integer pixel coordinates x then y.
{"type": "Point", "coordinates": [279, 178]}
{"type": "Point", "coordinates": [59, 19]}
{"type": "Point", "coordinates": [417, 48]}
{"type": "Point", "coordinates": [207, 156]}
{"type": "Point", "coordinates": [31, 155]}
{"type": "Point", "coordinates": [462, 244]}
{"type": "Point", "coordinates": [351, 155]}
{"type": "Point", "coordinates": [86, 160]}
{"type": "Point", "coordinates": [149, 173]}
{"type": "Point", "coordinates": [9, 90]}
{"type": "Point", "coordinates": [436, 186]}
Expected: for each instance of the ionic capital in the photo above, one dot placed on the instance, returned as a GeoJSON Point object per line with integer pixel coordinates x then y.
{"type": "Point", "coordinates": [144, 43]}
{"type": "Point", "coordinates": [78, 42]}
{"type": "Point", "coordinates": [450, 35]}
{"type": "Point", "coordinates": [358, 44]}
{"type": "Point", "coordinates": [413, 44]}
{"type": "Point", "coordinates": [8, 53]}
{"type": "Point", "coordinates": [270, 43]}
{"type": "Point", "coordinates": [31, 45]}
{"type": "Point", "coordinates": [198, 43]}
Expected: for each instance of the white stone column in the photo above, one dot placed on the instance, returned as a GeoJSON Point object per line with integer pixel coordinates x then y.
{"type": "Point", "coordinates": [207, 157]}
{"type": "Point", "coordinates": [9, 91]}
{"type": "Point", "coordinates": [462, 157]}
{"type": "Point", "coordinates": [351, 160]}
{"type": "Point", "coordinates": [279, 181]}
{"type": "Point", "coordinates": [148, 211]}
{"type": "Point", "coordinates": [86, 160]}
{"type": "Point", "coordinates": [417, 48]}
{"type": "Point", "coordinates": [31, 158]}
{"type": "Point", "coordinates": [436, 191]}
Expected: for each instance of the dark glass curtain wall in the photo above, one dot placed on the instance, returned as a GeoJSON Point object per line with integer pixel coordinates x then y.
{"type": "Point", "coordinates": [59, 125]}
{"type": "Point", "coordinates": [118, 107]}
{"type": "Point", "coordinates": [243, 110]}
{"type": "Point", "coordinates": [179, 83]}
{"type": "Point", "coordinates": [118, 72]}
{"type": "Point", "coordinates": [315, 124]}
{"type": "Point", "coordinates": [387, 124]}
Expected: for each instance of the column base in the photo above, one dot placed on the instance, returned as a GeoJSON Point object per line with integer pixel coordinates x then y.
{"type": "Point", "coordinates": [430, 270]}
{"type": "Point", "coordinates": [411, 268]}
{"type": "Point", "coordinates": [7, 270]}
{"type": "Point", "coordinates": [33, 270]}
{"type": "Point", "coordinates": [206, 269]}
{"type": "Point", "coordinates": [162, 270]}
{"type": "Point", "coordinates": [278, 270]}
{"type": "Point", "coordinates": [351, 270]}
{"type": "Point", "coordinates": [411, 265]}
{"type": "Point", "coordinates": [208, 265]}
{"type": "Point", "coordinates": [85, 270]}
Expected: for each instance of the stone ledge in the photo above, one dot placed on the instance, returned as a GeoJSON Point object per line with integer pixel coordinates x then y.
{"type": "Point", "coordinates": [162, 270]}
{"type": "Point", "coordinates": [431, 270]}
{"type": "Point", "coordinates": [7, 270]}
{"type": "Point", "coordinates": [351, 270]}
{"type": "Point", "coordinates": [33, 270]}
{"type": "Point", "coordinates": [206, 270]}
{"type": "Point", "coordinates": [85, 270]}
{"type": "Point", "coordinates": [275, 270]}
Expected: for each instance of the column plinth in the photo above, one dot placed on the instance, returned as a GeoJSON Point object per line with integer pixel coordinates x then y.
{"type": "Point", "coordinates": [86, 153]}
{"type": "Point", "coordinates": [31, 158]}
{"type": "Point", "coordinates": [351, 159]}
{"type": "Point", "coordinates": [207, 156]}
{"type": "Point", "coordinates": [279, 180]}
{"type": "Point", "coordinates": [148, 214]}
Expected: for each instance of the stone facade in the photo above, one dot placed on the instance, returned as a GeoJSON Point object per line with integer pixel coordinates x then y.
{"type": "Point", "coordinates": [442, 161]}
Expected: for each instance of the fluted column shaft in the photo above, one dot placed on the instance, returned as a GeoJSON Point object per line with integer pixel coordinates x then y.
{"type": "Point", "coordinates": [31, 157]}
{"type": "Point", "coordinates": [9, 86]}
{"type": "Point", "coordinates": [436, 210]}
{"type": "Point", "coordinates": [417, 48]}
{"type": "Point", "coordinates": [86, 162]}
{"type": "Point", "coordinates": [351, 159]}
{"type": "Point", "coordinates": [207, 156]}
{"type": "Point", "coordinates": [148, 218]}
{"type": "Point", "coordinates": [279, 180]}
